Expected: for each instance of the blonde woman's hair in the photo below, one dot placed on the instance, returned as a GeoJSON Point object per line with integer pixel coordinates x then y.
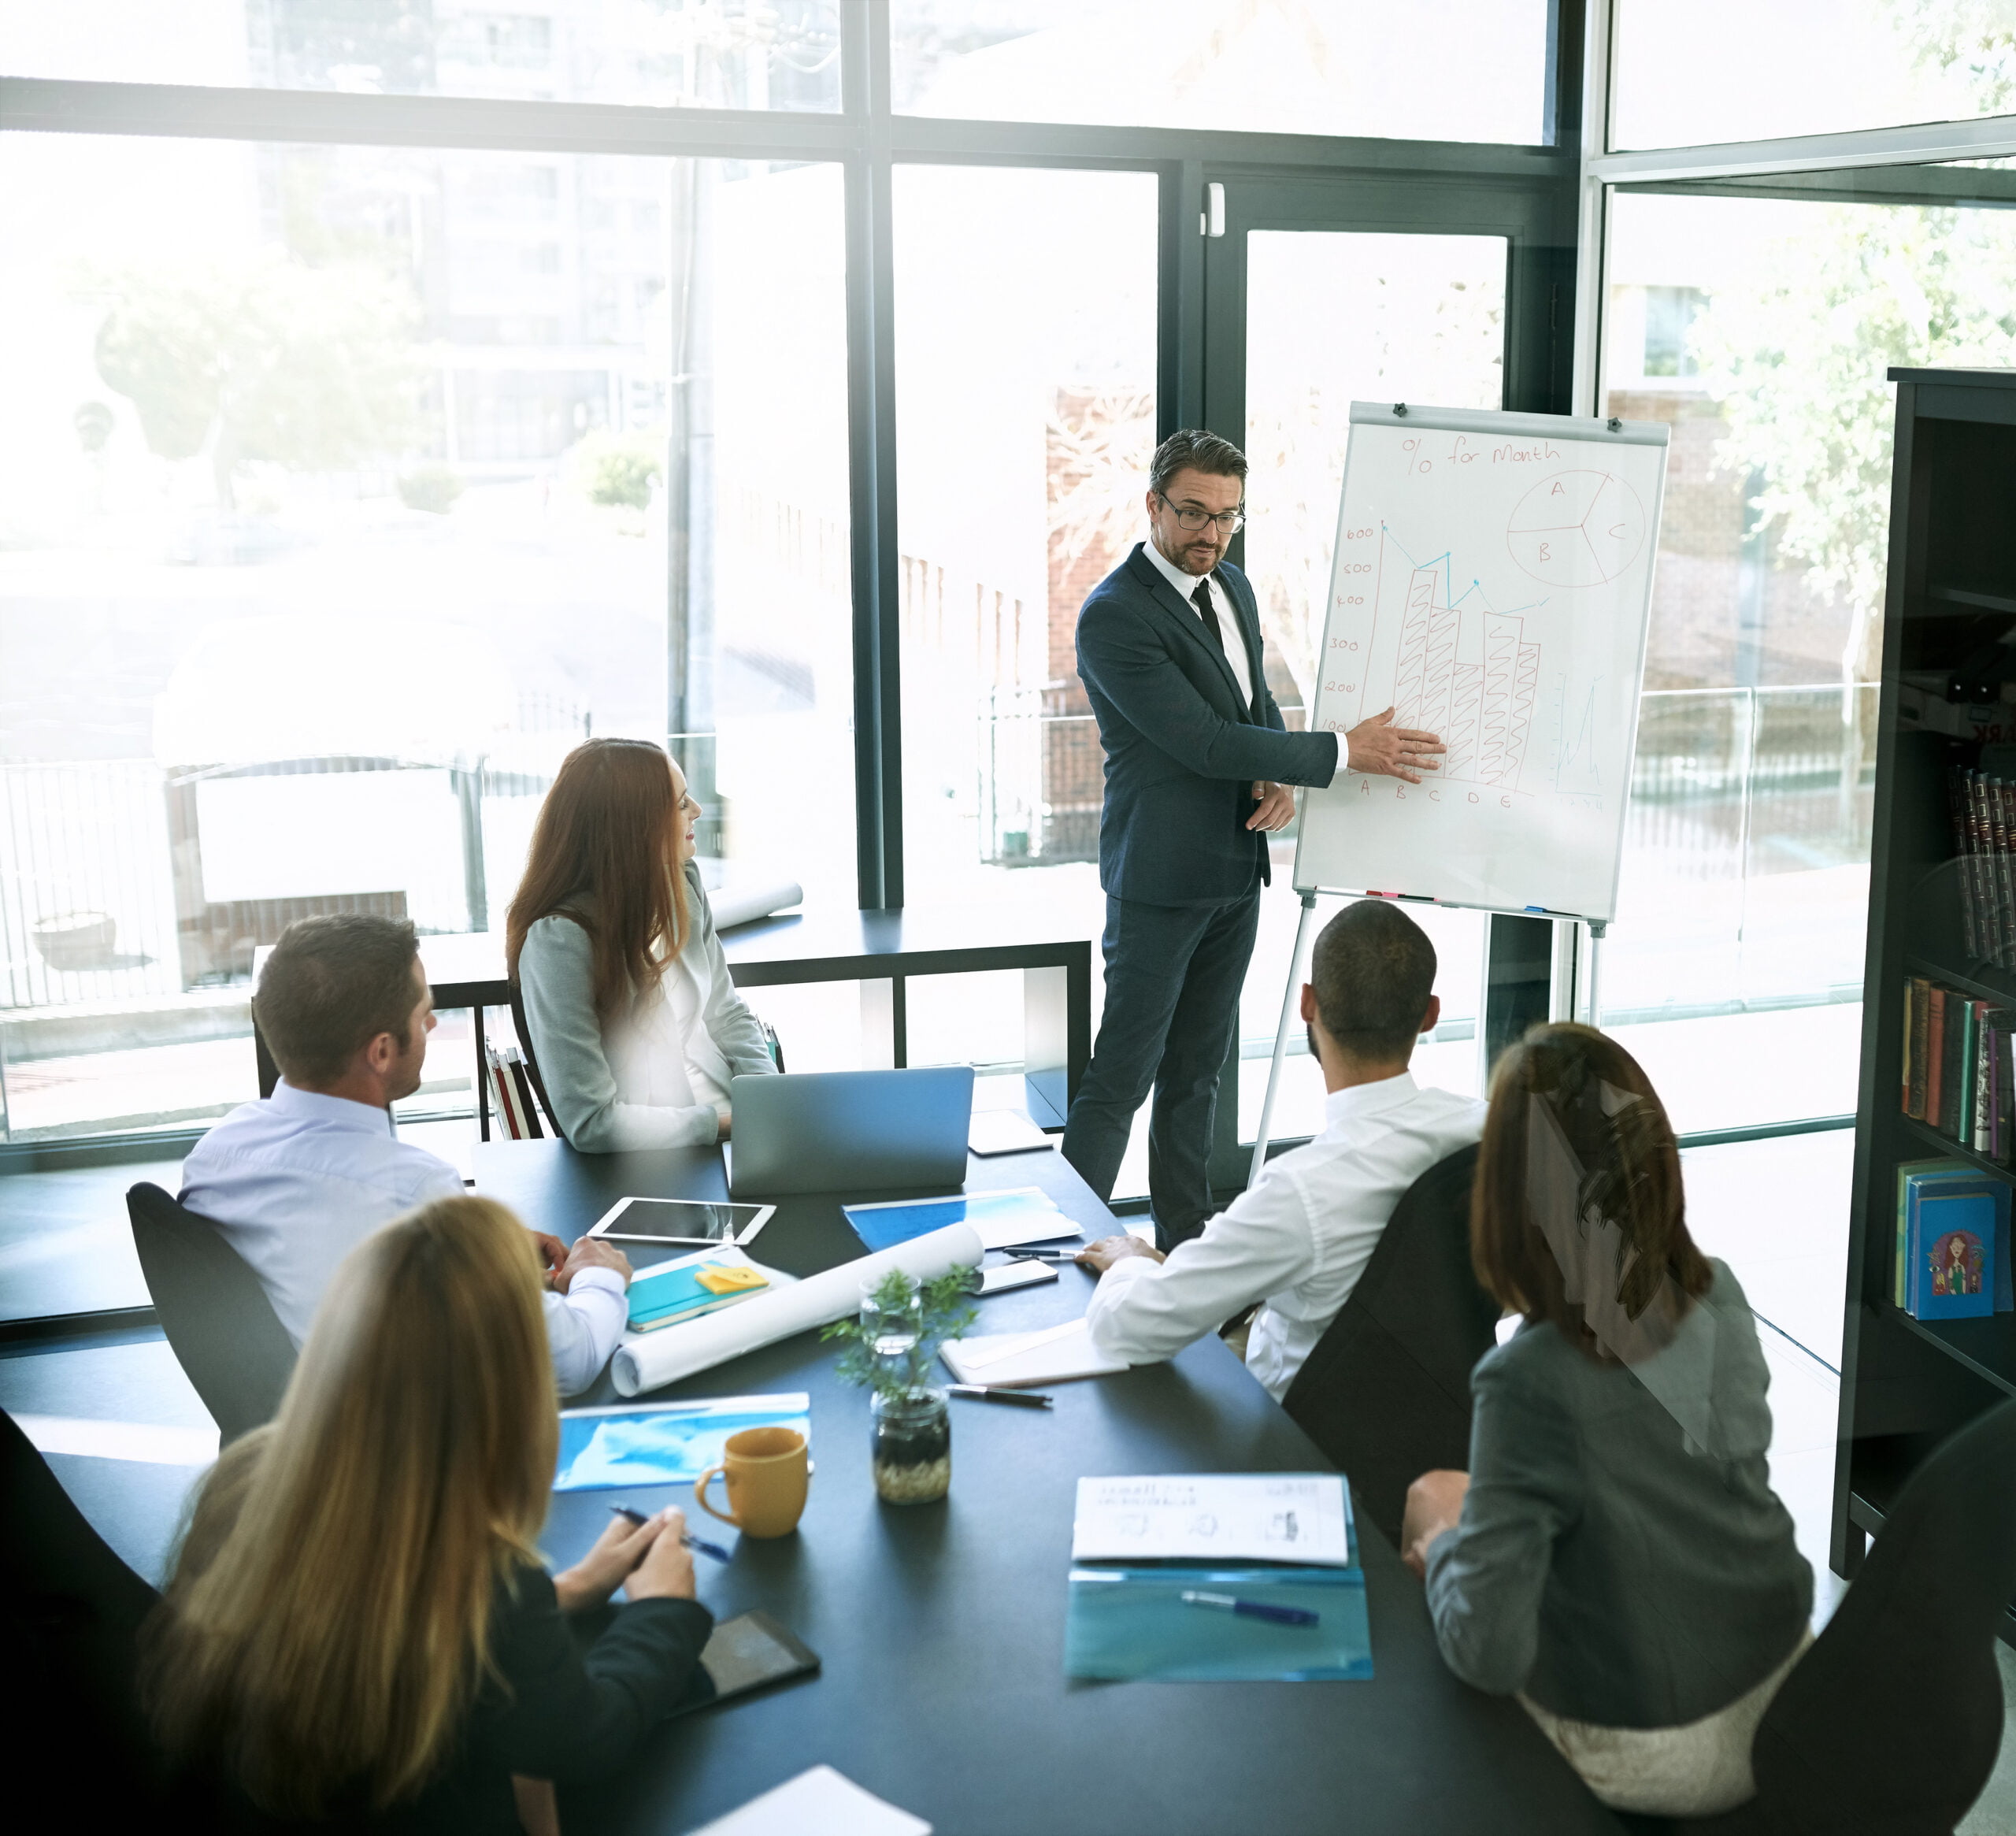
{"type": "Point", "coordinates": [328, 1624]}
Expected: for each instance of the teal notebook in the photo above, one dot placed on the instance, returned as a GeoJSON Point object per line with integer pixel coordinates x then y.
{"type": "Point", "coordinates": [1133, 1623]}
{"type": "Point", "coordinates": [661, 1300]}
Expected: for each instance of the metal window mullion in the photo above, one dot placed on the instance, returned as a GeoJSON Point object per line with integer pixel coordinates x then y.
{"type": "Point", "coordinates": [1919, 144]}
{"type": "Point", "coordinates": [872, 459]}
{"type": "Point", "coordinates": [42, 104]}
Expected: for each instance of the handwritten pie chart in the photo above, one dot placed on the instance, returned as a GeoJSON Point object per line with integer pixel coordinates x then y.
{"type": "Point", "coordinates": [1576, 529]}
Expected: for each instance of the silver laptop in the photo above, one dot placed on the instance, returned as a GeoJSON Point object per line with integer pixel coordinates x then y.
{"type": "Point", "coordinates": [850, 1131]}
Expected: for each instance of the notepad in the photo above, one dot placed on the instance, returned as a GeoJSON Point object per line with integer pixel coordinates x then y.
{"type": "Point", "coordinates": [1056, 1355]}
{"type": "Point", "coordinates": [1004, 1131]}
{"type": "Point", "coordinates": [820, 1800]}
{"type": "Point", "coordinates": [1213, 1517]}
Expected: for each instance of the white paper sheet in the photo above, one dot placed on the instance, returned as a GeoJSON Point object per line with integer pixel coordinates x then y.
{"type": "Point", "coordinates": [650, 1360]}
{"type": "Point", "coordinates": [822, 1800]}
{"type": "Point", "coordinates": [1256, 1517]}
{"type": "Point", "coordinates": [737, 905]}
{"type": "Point", "coordinates": [1056, 1355]}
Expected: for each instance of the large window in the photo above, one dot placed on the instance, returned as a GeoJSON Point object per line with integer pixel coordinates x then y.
{"type": "Point", "coordinates": [556, 367]}
{"type": "Point", "coordinates": [1760, 328]}
{"type": "Point", "coordinates": [342, 489]}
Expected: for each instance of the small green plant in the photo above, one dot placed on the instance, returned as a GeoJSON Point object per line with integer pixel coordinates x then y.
{"type": "Point", "coordinates": [917, 1317]}
{"type": "Point", "coordinates": [432, 488]}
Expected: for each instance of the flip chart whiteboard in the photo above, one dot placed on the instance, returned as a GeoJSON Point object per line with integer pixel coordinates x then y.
{"type": "Point", "coordinates": [1492, 583]}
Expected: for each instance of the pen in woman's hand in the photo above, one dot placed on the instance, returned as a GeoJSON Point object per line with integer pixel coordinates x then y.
{"type": "Point", "coordinates": [706, 1548]}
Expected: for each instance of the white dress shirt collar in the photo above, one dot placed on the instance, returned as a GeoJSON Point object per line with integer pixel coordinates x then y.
{"type": "Point", "coordinates": [340, 1112]}
{"type": "Point", "coordinates": [1366, 1099]}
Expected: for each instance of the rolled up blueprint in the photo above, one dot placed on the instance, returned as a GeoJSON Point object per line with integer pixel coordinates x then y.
{"type": "Point", "coordinates": [650, 1360]}
{"type": "Point", "coordinates": [738, 905]}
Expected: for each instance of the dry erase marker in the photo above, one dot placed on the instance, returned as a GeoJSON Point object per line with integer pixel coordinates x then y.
{"type": "Point", "coordinates": [638, 1518]}
{"type": "Point", "coordinates": [1226, 1603]}
{"type": "Point", "coordinates": [1028, 1399]}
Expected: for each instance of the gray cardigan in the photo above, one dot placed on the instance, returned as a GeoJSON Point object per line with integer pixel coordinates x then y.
{"type": "Point", "coordinates": [556, 980]}
{"type": "Point", "coordinates": [1615, 1567]}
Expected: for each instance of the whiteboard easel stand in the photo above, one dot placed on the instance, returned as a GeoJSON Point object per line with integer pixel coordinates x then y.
{"type": "Point", "coordinates": [1280, 1037]}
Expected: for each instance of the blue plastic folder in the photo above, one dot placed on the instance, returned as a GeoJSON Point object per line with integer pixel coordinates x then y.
{"type": "Point", "coordinates": [884, 1226]}
{"type": "Point", "coordinates": [664, 1444]}
{"type": "Point", "coordinates": [1133, 1623]}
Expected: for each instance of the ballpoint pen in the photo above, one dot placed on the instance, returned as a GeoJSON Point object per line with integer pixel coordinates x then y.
{"type": "Point", "coordinates": [638, 1518]}
{"type": "Point", "coordinates": [1028, 1399]}
{"type": "Point", "coordinates": [1050, 1255]}
{"type": "Point", "coordinates": [1227, 1603]}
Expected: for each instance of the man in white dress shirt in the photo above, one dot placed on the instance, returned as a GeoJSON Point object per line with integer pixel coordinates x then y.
{"type": "Point", "coordinates": [1297, 1240]}
{"type": "Point", "coordinates": [296, 1180]}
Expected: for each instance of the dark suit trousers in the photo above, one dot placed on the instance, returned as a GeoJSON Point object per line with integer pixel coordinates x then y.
{"type": "Point", "coordinates": [1172, 977]}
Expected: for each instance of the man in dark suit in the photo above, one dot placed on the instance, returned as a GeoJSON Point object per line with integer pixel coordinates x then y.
{"type": "Point", "coordinates": [1198, 764]}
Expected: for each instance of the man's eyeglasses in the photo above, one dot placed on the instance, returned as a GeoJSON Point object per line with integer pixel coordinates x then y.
{"type": "Point", "coordinates": [1189, 516]}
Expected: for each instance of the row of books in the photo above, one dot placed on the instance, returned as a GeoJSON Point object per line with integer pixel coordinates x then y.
{"type": "Point", "coordinates": [511, 1099]}
{"type": "Point", "coordinates": [1983, 810]}
{"type": "Point", "coordinates": [1959, 1069]}
{"type": "Point", "coordinates": [1952, 1242]}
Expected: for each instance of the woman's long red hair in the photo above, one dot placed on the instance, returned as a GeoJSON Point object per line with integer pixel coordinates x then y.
{"type": "Point", "coordinates": [602, 855]}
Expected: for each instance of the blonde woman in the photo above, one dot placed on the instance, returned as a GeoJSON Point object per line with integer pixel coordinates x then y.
{"type": "Point", "coordinates": [358, 1627]}
{"type": "Point", "coordinates": [633, 1016]}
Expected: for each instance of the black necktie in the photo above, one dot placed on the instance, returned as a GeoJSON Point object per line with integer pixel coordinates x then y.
{"type": "Point", "coordinates": [1202, 600]}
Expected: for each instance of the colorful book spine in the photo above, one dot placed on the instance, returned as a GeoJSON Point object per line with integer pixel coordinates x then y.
{"type": "Point", "coordinates": [1957, 787]}
{"type": "Point", "coordinates": [1919, 1038]}
{"type": "Point", "coordinates": [1935, 1050]}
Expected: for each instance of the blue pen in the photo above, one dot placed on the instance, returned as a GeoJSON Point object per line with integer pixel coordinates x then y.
{"type": "Point", "coordinates": [638, 1518]}
{"type": "Point", "coordinates": [1226, 1603]}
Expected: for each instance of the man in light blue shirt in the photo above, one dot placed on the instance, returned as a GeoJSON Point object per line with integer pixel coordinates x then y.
{"type": "Point", "coordinates": [295, 1181]}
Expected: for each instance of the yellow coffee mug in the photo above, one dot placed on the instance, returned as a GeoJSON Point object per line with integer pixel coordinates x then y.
{"type": "Point", "coordinates": [766, 1470]}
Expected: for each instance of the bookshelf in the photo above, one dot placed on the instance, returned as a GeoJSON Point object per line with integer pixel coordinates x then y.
{"type": "Point", "coordinates": [1907, 1384]}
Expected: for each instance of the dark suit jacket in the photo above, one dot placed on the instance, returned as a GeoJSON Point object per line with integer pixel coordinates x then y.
{"type": "Point", "coordinates": [1181, 752]}
{"type": "Point", "coordinates": [572, 1699]}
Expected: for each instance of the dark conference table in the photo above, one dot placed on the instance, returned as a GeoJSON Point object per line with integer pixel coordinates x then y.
{"type": "Point", "coordinates": [941, 1627]}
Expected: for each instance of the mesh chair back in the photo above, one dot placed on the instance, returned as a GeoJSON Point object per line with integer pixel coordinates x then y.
{"type": "Point", "coordinates": [219, 1323]}
{"type": "Point", "coordinates": [1386, 1392]}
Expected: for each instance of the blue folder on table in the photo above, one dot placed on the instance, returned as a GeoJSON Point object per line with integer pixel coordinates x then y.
{"type": "Point", "coordinates": [664, 1444]}
{"type": "Point", "coordinates": [1133, 1623]}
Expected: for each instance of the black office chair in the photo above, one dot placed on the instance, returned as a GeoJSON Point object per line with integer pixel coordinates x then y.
{"type": "Point", "coordinates": [70, 1611]}
{"type": "Point", "coordinates": [218, 1322]}
{"type": "Point", "coordinates": [1386, 1392]}
{"type": "Point", "coordinates": [1891, 1724]}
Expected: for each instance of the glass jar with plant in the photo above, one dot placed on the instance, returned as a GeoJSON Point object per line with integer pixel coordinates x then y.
{"type": "Point", "coordinates": [889, 1347]}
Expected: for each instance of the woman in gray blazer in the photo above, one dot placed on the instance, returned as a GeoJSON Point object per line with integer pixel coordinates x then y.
{"type": "Point", "coordinates": [1615, 1556]}
{"type": "Point", "coordinates": [635, 1021]}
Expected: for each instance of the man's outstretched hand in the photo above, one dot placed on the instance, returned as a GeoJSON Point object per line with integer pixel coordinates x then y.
{"type": "Point", "coordinates": [1377, 745]}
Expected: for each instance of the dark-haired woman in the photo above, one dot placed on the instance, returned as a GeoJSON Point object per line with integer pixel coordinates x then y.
{"type": "Point", "coordinates": [1615, 1556]}
{"type": "Point", "coordinates": [634, 1019]}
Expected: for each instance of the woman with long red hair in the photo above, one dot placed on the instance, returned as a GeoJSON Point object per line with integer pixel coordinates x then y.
{"type": "Point", "coordinates": [633, 1019]}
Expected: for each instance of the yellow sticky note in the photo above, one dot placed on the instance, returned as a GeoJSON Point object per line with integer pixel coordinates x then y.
{"type": "Point", "coordinates": [729, 1279]}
